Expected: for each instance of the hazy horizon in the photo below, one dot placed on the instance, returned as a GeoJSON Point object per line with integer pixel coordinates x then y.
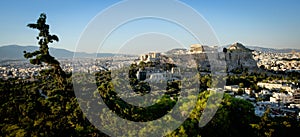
{"type": "Point", "coordinates": [145, 50]}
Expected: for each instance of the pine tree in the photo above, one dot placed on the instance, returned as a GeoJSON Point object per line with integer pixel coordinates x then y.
{"type": "Point", "coordinates": [42, 56]}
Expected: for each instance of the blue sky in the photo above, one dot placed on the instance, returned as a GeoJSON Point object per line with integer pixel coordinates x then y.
{"type": "Point", "coordinates": [266, 23]}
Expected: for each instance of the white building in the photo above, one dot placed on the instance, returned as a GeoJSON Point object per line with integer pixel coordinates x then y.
{"type": "Point", "coordinates": [269, 85]}
{"type": "Point", "coordinates": [233, 88]}
{"type": "Point", "coordinates": [281, 97]}
{"type": "Point", "coordinates": [150, 57]}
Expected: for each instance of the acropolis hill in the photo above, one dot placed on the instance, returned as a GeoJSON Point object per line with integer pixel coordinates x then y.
{"type": "Point", "coordinates": [236, 56]}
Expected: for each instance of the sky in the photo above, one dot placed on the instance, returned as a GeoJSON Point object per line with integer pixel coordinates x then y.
{"type": "Point", "coordinates": [265, 23]}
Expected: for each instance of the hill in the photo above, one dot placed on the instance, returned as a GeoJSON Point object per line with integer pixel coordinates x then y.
{"type": "Point", "coordinates": [264, 49]}
{"type": "Point", "coordinates": [272, 50]}
{"type": "Point", "coordinates": [16, 52]}
{"type": "Point", "coordinates": [238, 47]}
{"type": "Point", "coordinates": [177, 51]}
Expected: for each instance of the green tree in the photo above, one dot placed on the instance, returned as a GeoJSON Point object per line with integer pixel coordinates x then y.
{"type": "Point", "coordinates": [233, 119]}
{"type": "Point", "coordinates": [266, 126]}
{"type": "Point", "coordinates": [42, 56]}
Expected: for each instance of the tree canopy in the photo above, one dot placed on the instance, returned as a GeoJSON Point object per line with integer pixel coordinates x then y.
{"type": "Point", "coordinates": [42, 56]}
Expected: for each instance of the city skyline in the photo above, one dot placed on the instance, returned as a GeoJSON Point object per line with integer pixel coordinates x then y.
{"type": "Point", "coordinates": [271, 24]}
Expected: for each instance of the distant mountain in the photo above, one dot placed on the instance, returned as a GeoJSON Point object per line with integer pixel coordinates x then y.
{"type": "Point", "coordinates": [272, 50]}
{"type": "Point", "coordinates": [16, 52]}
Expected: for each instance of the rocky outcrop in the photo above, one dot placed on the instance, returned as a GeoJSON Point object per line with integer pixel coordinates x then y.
{"type": "Point", "coordinates": [240, 57]}
{"type": "Point", "coordinates": [238, 47]}
{"type": "Point", "coordinates": [236, 58]}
